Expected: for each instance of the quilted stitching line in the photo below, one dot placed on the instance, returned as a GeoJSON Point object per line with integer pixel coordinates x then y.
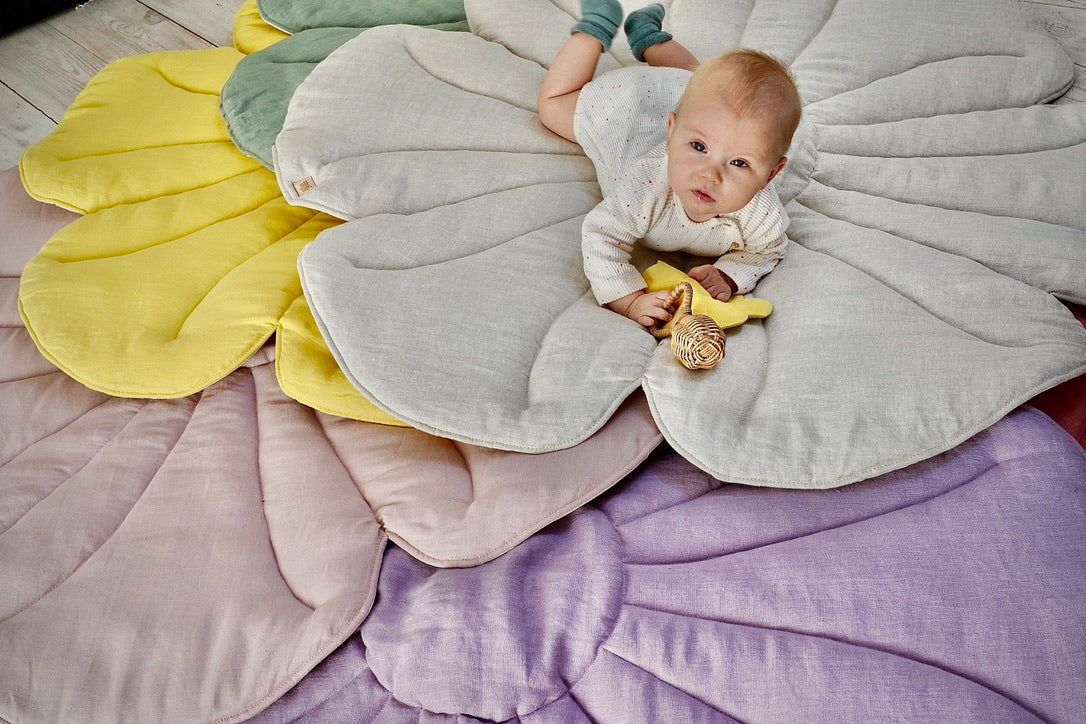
{"type": "Point", "coordinates": [407, 51]}
{"type": "Point", "coordinates": [896, 235]}
{"type": "Point", "coordinates": [885, 283]}
{"type": "Point", "coordinates": [414, 265]}
{"type": "Point", "coordinates": [830, 12]}
{"type": "Point", "coordinates": [536, 525]}
{"type": "Point", "coordinates": [456, 149]}
{"type": "Point", "coordinates": [56, 431]}
{"type": "Point", "coordinates": [672, 684]}
{"type": "Point", "coordinates": [933, 61]}
{"type": "Point", "coordinates": [839, 526]}
{"type": "Point", "coordinates": [223, 279]}
{"type": "Point", "coordinates": [105, 541]}
{"type": "Point", "coordinates": [260, 489]}
{"type": "Point", "coordinates": [174, 84]}
{"type": "Point", "coordinates": [183, 234]}
{"type": "Point", "coordinates": [979, 154]}
{"type": "Point", "coordinates": [339, 458]}
{"type": "Point", "coordinates": [865, 646]}
{"type": "Point", "coordinates": [225, 143]}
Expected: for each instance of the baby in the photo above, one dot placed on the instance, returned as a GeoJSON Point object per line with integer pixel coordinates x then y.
{"type": "Point", "coordinates": [691, 176]}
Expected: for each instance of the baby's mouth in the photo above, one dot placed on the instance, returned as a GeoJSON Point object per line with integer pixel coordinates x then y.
{"type": "Point", "coordinates": [703, 197]}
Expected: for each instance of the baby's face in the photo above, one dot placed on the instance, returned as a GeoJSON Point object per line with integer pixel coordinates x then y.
{"type": "Point", "coordinates": [716, 160]}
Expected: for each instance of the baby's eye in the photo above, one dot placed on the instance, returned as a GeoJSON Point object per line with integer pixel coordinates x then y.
{"type": "Point", "coordinates": [739, 163]}
{"type": "Point", "coordinates": [698, 146]}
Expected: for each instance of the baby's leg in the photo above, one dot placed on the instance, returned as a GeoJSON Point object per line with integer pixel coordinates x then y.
{"type": "Point", "coordinates": [571, 69]}
{"type": "Point", "coordinates": [670, 54]}
{"type": "Point", "coordinates": [651, 44]}
{"type": "Point", "coordinates": [575, 64]}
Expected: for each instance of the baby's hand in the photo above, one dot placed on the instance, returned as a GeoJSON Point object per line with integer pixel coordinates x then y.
{"type": "Point", "coordinates": [645, 308]}
{"type": "Point", "coordinates": [713, 280]}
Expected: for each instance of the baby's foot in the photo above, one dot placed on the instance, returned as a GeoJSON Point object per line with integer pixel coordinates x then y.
{"type": "Point", "coordinates": [600, 19]}
{"type": "Point", "coordinates": [643, 29]}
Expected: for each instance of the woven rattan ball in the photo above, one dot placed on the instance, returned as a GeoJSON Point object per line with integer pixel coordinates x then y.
{"type": "Point", "coordinates": [697, 341]}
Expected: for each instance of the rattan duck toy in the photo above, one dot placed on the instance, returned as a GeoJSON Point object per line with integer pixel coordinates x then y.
{"type": "Point", "coordinates": [697, 341]}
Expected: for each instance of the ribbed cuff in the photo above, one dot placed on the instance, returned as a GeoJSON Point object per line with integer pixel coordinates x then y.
{"type": "Point", "coordinates": [642, 43]}
{"type": "Point", "coordinates": [596, 30]}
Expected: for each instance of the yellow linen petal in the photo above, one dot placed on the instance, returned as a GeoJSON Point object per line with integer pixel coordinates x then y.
{"type": "Point", "coordinates": [145, 126]}
{"type": "Point", "coordinates": [308, 372]}
{"type": "Point", "coordinates": [164, 297]}
{"type": "Point", "coordinates": [186, 259]}
{"type": "Point", "coordinates": [727, 314]}
{"type": "Point", "coordinates": [251, 31]}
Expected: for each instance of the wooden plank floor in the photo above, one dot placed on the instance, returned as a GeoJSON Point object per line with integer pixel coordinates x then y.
{"type": "Point", "coordinates": [44, 66]}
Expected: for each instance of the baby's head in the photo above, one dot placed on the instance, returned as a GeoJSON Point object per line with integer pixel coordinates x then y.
{"type": "Point", "coordinates": [729, 135]}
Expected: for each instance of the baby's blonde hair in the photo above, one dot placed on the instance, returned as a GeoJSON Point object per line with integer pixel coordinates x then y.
{"type": "Point", "coordinates": [752, 84]}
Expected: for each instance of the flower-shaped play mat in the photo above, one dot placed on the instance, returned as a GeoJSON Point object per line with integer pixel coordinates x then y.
{"type": "Point", "coordinates": [935, 211]}
{"type": "Point", "coordinates": [368, 184]}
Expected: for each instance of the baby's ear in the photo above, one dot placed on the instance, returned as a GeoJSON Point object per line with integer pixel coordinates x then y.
{"type": "Point", "coordinates": [670, 124]}
{"type": "Point", "coordinates": [777, 169]}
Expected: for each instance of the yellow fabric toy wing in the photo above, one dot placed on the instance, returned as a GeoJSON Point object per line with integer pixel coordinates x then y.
{"type": "Point", "coordinates": [661, 276]}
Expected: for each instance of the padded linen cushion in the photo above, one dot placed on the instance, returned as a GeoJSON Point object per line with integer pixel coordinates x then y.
{"type": "Point", "coordinates": [102, 153]}
{"type": "Point", "coordinates": [79, 456]}
{"type": "Point", "coordinates": [950, 591]}
{"type": "Point", "coordinates": [914, 308]}
{"type": "Point", "coordinates": [142, 539]}
{"type": "Point", "coordinates": [184, 264]}
{"type": "Point", "coordinates": [292, 17]}
{"type": "Point", "coordinates": [255, 98]}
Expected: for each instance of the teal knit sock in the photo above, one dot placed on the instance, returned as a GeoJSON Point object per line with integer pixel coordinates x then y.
{"type": "Point", "coordinates": [600, 19]}
{"type": "Point", "coordinates": [643, 29]}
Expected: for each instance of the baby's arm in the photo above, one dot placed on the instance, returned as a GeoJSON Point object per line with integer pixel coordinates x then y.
{"type": "Point", "coordinates": [745, 268]}
{"type": "Point", "coordinates": [608, 236]}
{"type": "Point", "coordinates": [761, 245]}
